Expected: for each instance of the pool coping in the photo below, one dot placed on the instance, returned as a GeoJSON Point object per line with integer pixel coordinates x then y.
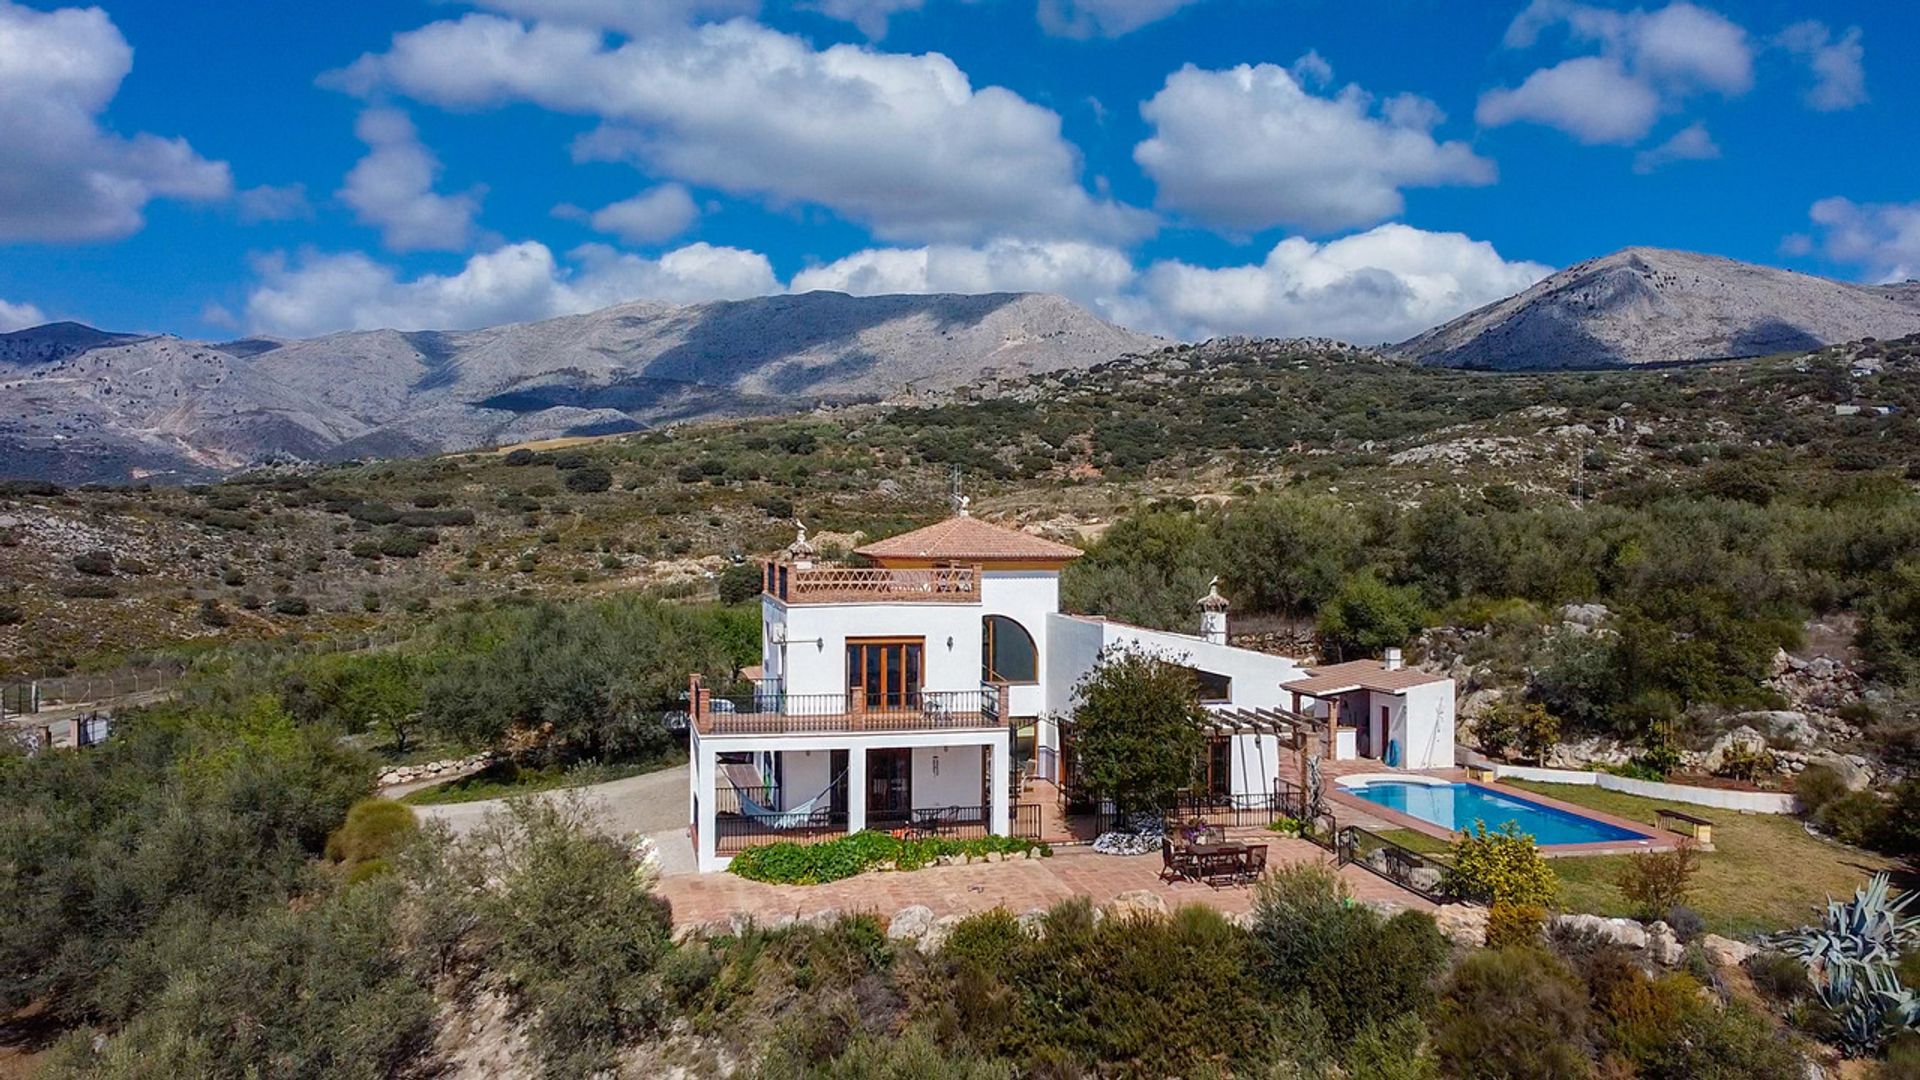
{"type": "Point", "coordinates": [1653, 839]}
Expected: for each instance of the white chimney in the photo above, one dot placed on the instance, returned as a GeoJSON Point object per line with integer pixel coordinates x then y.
{"type": "Point", "coordinates": [1213, 615]}
{"type": "Point", "coordinates": [1392, 660]}
{"type": "Point", "coordinates": [800, 553]}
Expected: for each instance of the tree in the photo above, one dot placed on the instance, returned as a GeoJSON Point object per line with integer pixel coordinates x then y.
{"type": "Point", "coordinates": [1289, 552]}
{"type": "Point", "coordinates": [1368, 615]}
{"type": "Point", "coordinates": [740, 583]}
{"type": "Point", "coordinates": [1523, 724]}
{"type": "Point", "coordinates": [1137, 728]}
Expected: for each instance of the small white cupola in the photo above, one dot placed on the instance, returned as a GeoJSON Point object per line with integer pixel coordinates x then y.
{"type": "Point", "coordinates": [1392, 661]}
{"type": "Point", "coordinates": [800, 552]}
{"type": "Point", "coordinates": [1213, 615]}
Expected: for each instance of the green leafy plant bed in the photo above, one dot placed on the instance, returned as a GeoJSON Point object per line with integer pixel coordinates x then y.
{"type": "Point", "coordinates": [788, 863]}
{"type": "Point", "coordinates": [504, 779]}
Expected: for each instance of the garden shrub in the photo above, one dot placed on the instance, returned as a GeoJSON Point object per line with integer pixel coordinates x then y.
{"type": "Point", "coordinates": [1499, 866]}
{"type": "Point", "coordinates": [1513, 1014]}
{"type": "Point", "coordinates": [1780, 977]}
{"type": "Point", "coordinates": [576, 934]}
{"type": "Point", "coordinates": [1687, 923]}
{"type": "Point", "coordinates": [1854, 818]}
{"type": "Point", "coordinates": [375, 829]}
{"type": "Point", "coordinates": [1515, 924]}
{"type": "Point", "coordinates": [1659, 881]}
{"type": "Point", "coordinates": [787, 863]}
{"type": "Point", "coordinates": [1354, 965]}
{"type": "Point", "coordinates": [987, 941]}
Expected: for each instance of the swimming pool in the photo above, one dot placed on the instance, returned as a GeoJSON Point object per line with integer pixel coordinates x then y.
{"type": "Point", "coordinates": [1456, 807]}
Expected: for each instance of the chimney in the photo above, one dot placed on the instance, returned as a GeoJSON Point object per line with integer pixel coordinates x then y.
{"type": "Point", "coordinates": [800, 553]}
{"type": "Point", "coordinates": [1392, 660]}
{"type": "Point", "coordinates": [1213, 615]}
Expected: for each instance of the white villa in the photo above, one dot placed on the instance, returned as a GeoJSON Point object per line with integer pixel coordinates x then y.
{"type": "Point", "coordinates": [921, 691]}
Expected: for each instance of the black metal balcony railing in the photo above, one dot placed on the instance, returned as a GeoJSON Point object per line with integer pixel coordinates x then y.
{"type": "Point", "coordinates": [770, 710]}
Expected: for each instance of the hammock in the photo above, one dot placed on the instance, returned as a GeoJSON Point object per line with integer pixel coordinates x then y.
{"type": "Point", "coordinates": [793, 817]}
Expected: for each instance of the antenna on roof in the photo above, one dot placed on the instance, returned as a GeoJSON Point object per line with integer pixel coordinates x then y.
{"type": "Point", "coordinates": [958, 501]}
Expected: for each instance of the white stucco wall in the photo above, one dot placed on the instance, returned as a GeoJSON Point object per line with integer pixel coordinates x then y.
{"type": "Point", "coordinates": [958, 782]}
{"type": "Point", "coordinates": [806, 774]}
{"type": "Point", "coordinates": [1429, 726]}
{"type": "Point", "coordinates": [1078, 641]}
{"type": "Point", "coordinates": [1256, 764]}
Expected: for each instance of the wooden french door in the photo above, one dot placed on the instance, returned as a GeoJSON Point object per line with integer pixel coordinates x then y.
{"type": "Point", "coordinates": [889, 784]}
{"type": "Point", "coordinates": [883, 674]}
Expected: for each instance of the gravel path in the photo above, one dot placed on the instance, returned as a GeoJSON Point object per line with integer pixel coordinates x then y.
{"type": "Point", "coordinates": [653, 804]}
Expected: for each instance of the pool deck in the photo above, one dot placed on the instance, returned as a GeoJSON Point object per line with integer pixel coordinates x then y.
{"type": "Point", "coordinates": [1655, 839]}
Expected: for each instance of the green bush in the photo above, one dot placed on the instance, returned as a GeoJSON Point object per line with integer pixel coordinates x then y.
{"type": "Point", "coordinates": [1513, 1014]}
{"type": "Point", "coordinates": [788, 863]}
{"type": "Point", "coordinates": [1854, 818]}
{"type": "Point", "coordinates": [1659, 881]}
{"type": "Point", "coordinates": [589, 479]}
{"type": "Point", "coordinates": [94, 563]}
{"type": "Point", "coordinates": [1500, 866]}
{"type": "Point", "coordinates": [374, 829]}
{"type": "Point", "coordinates": [294, 606]}
{"type": "Point", "coordinates": [988, 941]}
{"type": "Point", "coordinates": [1353, 965]}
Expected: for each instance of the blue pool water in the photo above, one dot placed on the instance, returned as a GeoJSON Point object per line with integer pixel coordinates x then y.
{"type": "Point", "coordinates": [1458, 806]}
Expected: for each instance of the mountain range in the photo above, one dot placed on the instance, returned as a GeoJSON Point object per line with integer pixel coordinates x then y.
{"type": "Point", "coordinates": [1653, 306]}
{"type": "Point", "coordinates": [78, 404]}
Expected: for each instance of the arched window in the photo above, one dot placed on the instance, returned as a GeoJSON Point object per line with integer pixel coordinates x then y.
{"type": "Point", "coordinates": [1007, 654]}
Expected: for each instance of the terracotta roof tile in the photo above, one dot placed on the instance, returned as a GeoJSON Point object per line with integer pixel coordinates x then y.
{"type": "Point", "coordinates": [1360, 675]}
{"type": "Point", "coordinates": [968, 539]}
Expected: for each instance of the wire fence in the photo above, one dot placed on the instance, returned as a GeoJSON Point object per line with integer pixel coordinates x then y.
{"type": "Point", "coordinates": [89, 688]}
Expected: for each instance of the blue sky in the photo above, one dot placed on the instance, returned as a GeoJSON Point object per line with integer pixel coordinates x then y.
{"type": "Point", "coordinates": [1191, 167]}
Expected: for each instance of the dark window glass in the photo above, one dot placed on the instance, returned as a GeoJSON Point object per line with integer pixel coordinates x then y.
{"type": "Point", "coordinates": [1007, 653]}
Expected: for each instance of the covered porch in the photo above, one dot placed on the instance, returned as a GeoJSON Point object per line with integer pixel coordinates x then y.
{"type": "Point", "coordinates": [751, 790]}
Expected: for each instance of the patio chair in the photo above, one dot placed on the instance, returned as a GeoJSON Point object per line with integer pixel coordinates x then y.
{"type": "Point", "coordinates": [1170, 861]}
{"type": "Point", "coordinates": [1219, 867]}
{"type": "Point", "coordinates": [1255, 862]}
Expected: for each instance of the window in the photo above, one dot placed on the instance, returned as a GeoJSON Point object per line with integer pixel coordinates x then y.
{"type": "Point", "coordinates": [884, 673]}
{"type": "Point", "coordinates": [1007, 654]}
{"type": "Point", "coordinates": [1212, 688]}
{"type": "Point", "coordinates": [1217, 773]}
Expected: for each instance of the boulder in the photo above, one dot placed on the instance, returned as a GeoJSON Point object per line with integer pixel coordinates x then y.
{"type": "Point", "coordinates": [1725, 952]}
{"type": "Point", "coordinates": [1463, 924]}
{"type": "Point", "coordinates": [1663, 945]}
{"type": "Point", "coordinates": [1851, 768]}
{"type": "Point", "coordinates": [1584, 618]}
{"type": "Point", "coordinates": [910, 923]}
{"type": "Point", "coordinates": [1033, 922]}
{"type": "Point", "coordinates": [1782, 727]}
{"type": "Point", "coordinates": [1742, 737]}
{"type": "Point", "coordinates": [1622, 932]}
{"type": "Point", "coordinates": [1143, 902]}
{"type": "Point", "coordinates": [937, 934]}
{"type": "Point", "coordinates": [822, 919]}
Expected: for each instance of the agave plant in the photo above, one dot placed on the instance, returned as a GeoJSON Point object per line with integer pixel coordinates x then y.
{"type": "Point", "coordinates": [1850, 958]}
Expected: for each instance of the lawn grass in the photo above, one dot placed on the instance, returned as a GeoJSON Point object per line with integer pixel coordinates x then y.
{"type": "Point", "coordinates": [1415, 841]}
{"type": "Point", "coordinates": [1765, 872]}
{"type": "Point", "coordinates": [504, 780]}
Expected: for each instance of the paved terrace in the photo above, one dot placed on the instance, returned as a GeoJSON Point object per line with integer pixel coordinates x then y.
{"type": "Point", "coordinates": [1017, 886]}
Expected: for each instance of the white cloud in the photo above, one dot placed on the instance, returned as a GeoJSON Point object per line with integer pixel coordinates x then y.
{"type": "Point", "coordinates": [626, 16]}
{"type": "Point", "coordinates": [1591, 98]}
{"type": "Point", "coordinates": [1104, 18]}
{"type": "Point", "coordinates": [1838, 64]}
{"type": "Point", "coordinates": [1250, 147]}
{"type": "Point", "coordinates": [903, 144]}
{"type": "Point", "coordinates": [1690, 143]}
{"type": "Point", "coordinates": [869, 15]}
{"type": "Point", "coordinates": [1649, 63]}
{"type": "Point", "coordinates": [267, 202]}
{"type": "Point", "coordinates": [1883, 239]}
{"type": "Point", "coordinates": [319, 294]}
{"type": "Point", "coordinates": [18, 316]}
{"type": "Point", "coordinates": [1385, 284]}
{"type": "Point", "coordinates": [650, 217]}
{"type": "Point", "coordinates": [1090, 274]}
{"type": "Point", "coordinates": [391, 188]}
{"type": "Point", "coordinates": [63, 176]}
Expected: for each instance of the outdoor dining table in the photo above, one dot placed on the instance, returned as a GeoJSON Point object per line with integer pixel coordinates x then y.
{"type": "Point", "coordinates": [1223, 859]}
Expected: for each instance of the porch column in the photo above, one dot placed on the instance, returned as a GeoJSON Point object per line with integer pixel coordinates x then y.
{"type": "Point", "coordinates": [1000, 769]}
{"type": "Point", "coordinates": [856, 788]}
{"type": "Point", "coordinates": [707, 812]}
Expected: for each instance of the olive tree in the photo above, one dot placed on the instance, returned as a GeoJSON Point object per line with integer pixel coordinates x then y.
{"type": "Point", "coordinates": [1137, 726]}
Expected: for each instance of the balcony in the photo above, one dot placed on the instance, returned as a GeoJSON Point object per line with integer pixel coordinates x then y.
{"type": "Point", "coordinates": [769, 710]}
{"type": "Point", "coordinates": [862, 585]}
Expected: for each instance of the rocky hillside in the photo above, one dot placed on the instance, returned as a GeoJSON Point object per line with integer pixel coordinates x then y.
{"type": "Point", "coordinates": [80, 405]}
{"type": "Point", "coordinates": [1652, 306]}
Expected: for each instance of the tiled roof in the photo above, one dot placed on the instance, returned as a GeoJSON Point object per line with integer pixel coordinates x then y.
{"type": "Point", "coordinates": [968, 539]}
{"type": "Point", "coordinates": [1360, 675]}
